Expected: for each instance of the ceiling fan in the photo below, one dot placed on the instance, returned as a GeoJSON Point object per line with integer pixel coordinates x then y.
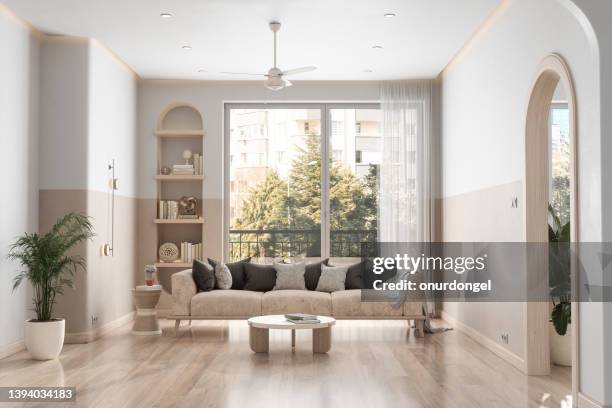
{"type": "Point", "coordinates": [274, 78]}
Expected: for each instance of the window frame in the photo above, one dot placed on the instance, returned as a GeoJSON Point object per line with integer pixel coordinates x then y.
{"type": "Point", "coordinates": [324, 109]}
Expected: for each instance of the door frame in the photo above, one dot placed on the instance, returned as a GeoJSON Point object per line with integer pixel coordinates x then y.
{"type": "Point", "coordinates": [552, 70]}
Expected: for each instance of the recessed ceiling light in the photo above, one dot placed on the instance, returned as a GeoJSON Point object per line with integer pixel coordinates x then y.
{"type": "Point", "coordinates": [377, 47]}
{"type": "Point", "coordinates": [165, 15]}
{"type": "Point", "coordinates": [389, 15]}
{"type": "Point", "coordinates": [201, 70]}
{"type": "Point", "coordinates": [186, 47]}
{"type": "Point", "coordinates": [367, 70]}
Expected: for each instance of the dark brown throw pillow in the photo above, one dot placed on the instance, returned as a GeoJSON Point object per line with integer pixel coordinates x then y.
{"type": "Point", "coordinates": [259, 278]}
{"type": "Point", "coordinates": [354, 276]}
{"type": "Point", "coordinates": [203, 276]}
{"type": "Point", "coordinates": [313, 273]}
{"type": "Point", "coordinates": [236, 269]}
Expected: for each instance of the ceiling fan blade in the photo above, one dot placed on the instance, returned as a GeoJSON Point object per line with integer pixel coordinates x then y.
{"type": "Point", "coordinates": [241, 73]}
{"type": "Point", "coordinates": [299, 70]}
{"type": "Point", "coordinates": [287, 83]}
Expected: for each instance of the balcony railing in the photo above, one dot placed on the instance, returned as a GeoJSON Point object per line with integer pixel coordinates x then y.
{"type": "Point", "coordinates": [285, 243]}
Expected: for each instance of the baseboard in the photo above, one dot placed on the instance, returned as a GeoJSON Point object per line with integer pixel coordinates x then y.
{"type": "Point", "coordinates": [586, 402]}
{"type": "Point", "coordinates": [11, 348]}
{"type": "Point", "coordinates": [96, 333]}
{"type": "Point", "coordinates": [485, 341]}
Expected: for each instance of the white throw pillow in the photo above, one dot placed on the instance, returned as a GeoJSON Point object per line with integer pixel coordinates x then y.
{"type": "Point", "coordinates": [290, 276]}
{"type": "Point", "coordinates": [332, 278]}
{"type": "Point", "coordinates": [223, 276]}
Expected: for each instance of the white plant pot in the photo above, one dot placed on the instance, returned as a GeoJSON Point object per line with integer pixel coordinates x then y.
{"type": "Point", "coordinates": [561, 347]}
{"type": "Point", "coordinates": [44, 340]}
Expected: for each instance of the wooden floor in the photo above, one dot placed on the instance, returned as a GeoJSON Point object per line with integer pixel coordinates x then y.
{"type": "Point", "coordinates": [371, 364]}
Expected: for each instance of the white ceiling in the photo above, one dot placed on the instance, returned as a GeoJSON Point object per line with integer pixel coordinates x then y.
{"type": "Point", "coordinates": [232, 35]}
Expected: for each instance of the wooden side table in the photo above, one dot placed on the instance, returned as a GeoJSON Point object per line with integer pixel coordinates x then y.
{"type": "Point", "coordinates": [145, 322]}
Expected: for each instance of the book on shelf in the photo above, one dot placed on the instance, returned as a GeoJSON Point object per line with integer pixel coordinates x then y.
{"type": "Point", "coordinates": [304, 321]}
{"type": "Point", "coordinates": [190, 251]}
{"type": "Point", "coordinates": [183, 170]}
{"type": "Point", "coordinates": [300, 316]}
{"type": "Point", "coordinates": [167, 209]}
{"type": "Point", "coordinates": [198, 164]}
{"type": "Point", "coordinates": [188, 216]}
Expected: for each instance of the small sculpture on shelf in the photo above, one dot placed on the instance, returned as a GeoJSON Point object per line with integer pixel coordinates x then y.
{"type": "Point", "coordinates": [187, 155]}
{"type": "Point", "coordinates": [165, 170]}
{"type": "Point", "coordinates": [187, 207]}
{"type": "Point", "coordinates": [168, 252]}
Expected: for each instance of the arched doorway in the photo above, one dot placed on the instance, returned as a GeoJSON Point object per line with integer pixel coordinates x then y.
{"type": "Point", "coordinates": [552, 71]}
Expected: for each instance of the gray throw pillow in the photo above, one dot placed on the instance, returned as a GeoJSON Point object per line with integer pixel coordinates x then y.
{"type": "Point", "coordinates": [290, 276]}
{"type": "Point", "coordinates": [332, 278]}
{"type": "Point", "coordinates": [223, 276]}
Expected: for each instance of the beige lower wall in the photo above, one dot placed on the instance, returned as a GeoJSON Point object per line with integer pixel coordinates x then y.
{"type": "Point", "coordinates": [487, 216]}
{"type": "Point", "coordinates": [104, 290]}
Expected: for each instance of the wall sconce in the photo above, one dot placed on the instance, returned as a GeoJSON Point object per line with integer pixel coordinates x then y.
{"type": "Point", "coordinates": [113, 184]}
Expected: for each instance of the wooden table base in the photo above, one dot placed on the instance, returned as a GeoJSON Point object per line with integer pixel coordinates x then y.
{"type": "Point", "coordinates": [321, 340]}
{"type": "Point", "coordinates": [259, 339]}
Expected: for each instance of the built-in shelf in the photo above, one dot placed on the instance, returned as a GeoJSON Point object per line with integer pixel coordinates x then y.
{"type": "Point", "coordinates": [172, 265]}
{"type": "Point", "coordinates": [181, 133]}
{"type": "Point", "coordinates": [162, 177]}
{"type": "Point", "coordinates": [179, 221]}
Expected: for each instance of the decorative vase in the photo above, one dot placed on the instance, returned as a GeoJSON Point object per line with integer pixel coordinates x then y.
{"type": "Point", "coordinates": [150, 274]}
{"type": "Point", "coordinates": [561, 347]}
{"type": "Point", "coordinates": [44, 340]}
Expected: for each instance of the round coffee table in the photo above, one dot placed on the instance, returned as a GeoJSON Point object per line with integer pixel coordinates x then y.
{"type": "Point", "coordinates": [259, 329]}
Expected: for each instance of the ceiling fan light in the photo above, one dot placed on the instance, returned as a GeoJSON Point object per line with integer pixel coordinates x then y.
{"type": "Point", "coordinates": [274, 83]}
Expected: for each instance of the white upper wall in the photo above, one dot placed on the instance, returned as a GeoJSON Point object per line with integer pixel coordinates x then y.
{"type": "Point", "coordinates": [485, 94]}
{"type": "Point", "coordinates": [89, 117]}
{"type": "Point", "coordinates": [111, 122]}
{"type": "Point", "coordinates": [63, 142]}
{"type": "Point", "coordinates": [19, 129]}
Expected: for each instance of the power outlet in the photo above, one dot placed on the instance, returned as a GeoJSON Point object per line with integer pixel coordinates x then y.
{"type": "Point", "coordinates": [505, 338]}
{"type": "Point", "coordinates": [94, 320]}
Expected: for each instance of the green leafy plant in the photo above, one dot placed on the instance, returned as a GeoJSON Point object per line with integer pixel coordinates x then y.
{"type": "Point", "coordinates": [560, 268]}
{"type": "Point", "coordinates": [48, 267]}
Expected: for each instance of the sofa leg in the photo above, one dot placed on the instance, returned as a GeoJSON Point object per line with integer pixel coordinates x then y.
{"type": "Point", "coordinates": [190, 322]}
{"type": "Point", "coordinates": [177, 323]}
{"type": "Point", "coordinates": [419, 331]}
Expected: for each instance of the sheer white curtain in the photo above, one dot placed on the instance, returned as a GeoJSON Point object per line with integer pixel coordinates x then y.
{"type": "Point", "coordinates": [405, 208]}
{"type": "Point", "coordinates": [405, 172]}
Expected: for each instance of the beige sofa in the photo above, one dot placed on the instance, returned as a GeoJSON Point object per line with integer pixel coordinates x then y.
{"type": "Point", "coordinates": [188, 304]}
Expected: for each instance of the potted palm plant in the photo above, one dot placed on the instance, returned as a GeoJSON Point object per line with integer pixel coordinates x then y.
{"type": "Point", "coordinates": [560, 290]}
{"type": "Point", "coordinates": [49, 269]}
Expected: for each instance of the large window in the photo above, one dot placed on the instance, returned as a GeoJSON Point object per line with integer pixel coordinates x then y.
{"type": "Point", "coordinates": [302, 180]}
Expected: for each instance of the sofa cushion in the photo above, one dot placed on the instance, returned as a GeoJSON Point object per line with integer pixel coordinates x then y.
{"type": "Point", "coordinates": [332, 278]}
{"type": "Point", "coordinates": [226, 303]}
{"type": "Point", "coordinates": [236, 269]}
{"type": "Point", "coordinates": [354, 275]}
{"type": "Point", "coordinates": [223, 277]}
{"type": "Point", "coordinates": [313, 273]}
{"type": "Point", "coordinates": [260, 278]}
{"type": "Point", "coordinates": [290, 276]}
{"type": "Point", "coordinates": [203, 276]}
{"type": "Point", "coordinates": [347, 303]}
{"type": "Point", "coordinates": [296, 301]}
